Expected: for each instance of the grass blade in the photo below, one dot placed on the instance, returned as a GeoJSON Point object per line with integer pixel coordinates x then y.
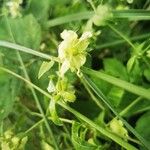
{"type": "Point", "coordinates": [134, 14]}
{"type": "Point", "coordinates": [76, 113]}
{"type": "Point", "coordinates": [104, 99]}
{"type": "Point", "coordinates": [70, 18]}
{"type": "Point", "coordinates": [26, 50]}
{"type": "Point", "coordinates": [118, 82]}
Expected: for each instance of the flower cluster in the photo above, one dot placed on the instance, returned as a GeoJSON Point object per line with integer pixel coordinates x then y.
{"type": "Point", "coordinates": [10, 141]}
{"type": "Point", "coordinates": [72, 50]}
{"type": "Point", "coordinates": [71, 55]}
{"type": "Point", "coordinates": [14, 7]}
{"type": "Point", "coordinates": [117, 127]}
{"type": "Point", "coordinates": [62, 90]}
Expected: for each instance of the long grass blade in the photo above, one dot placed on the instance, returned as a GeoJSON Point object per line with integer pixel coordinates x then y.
{"type": "Point", "coordinates": [99, 93]}
{"type": "Point", "coordinates": [118, 82]}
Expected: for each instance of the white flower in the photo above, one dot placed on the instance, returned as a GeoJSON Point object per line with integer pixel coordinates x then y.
{"type": "Point", "coordinates": [13, 7]}
{"type": "Point", "coordinates": [72, 50]}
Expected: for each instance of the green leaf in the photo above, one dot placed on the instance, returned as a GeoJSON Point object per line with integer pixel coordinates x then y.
{"type": "Point", "coordinates": [39, 9]}
{"type": "Point", "coordinates": [115, 95]}
{"type": "Point", "coordinates": [147, 74]}
{"type": "Point", "coordinates": [114, 67]}
{"type": "Point", "coordinates": [130, 63]}
{"type": "Point", "coordinates": [78, 138]}
{"type": "Point", "coordinates": [99, 93]}
{"type": "Point", "coordinates": [7, 94]}
{"type": "Point", "coordinates": [26, 31]}
{"type": "Point", "coordinates": [46, 146]}
{"type": "Point", "coordinates": [142, 126]}
{"type": "Point", "coordinates": [53, 112]}
{"type": "Point", "coordinates": [46, 66]}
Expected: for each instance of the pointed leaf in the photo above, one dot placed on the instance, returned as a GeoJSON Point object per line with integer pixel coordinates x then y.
{"type": "Point", "coordinates": [45, 67]}
{"type": "Point", "coordinates": [78, 141]}
{"type": "Point", "coordinates": [53, 112]}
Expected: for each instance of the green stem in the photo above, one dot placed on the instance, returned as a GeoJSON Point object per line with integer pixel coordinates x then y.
{"type": "Point", "coordinates": [123, 112]}
{"type": "Point", "coordinates": [117, 42]}
{"type": "Point", "coordinates": [146, 62]}
{"type": "Point", "coordinates": [121, 35]}
{"type": "Point", "coordinates": [80, 116]}
{"type": "Point", "coordinates": [100, 129]}
{"type": "Point", "coordinates": [132, 14]}
{"type": "Point", "coordinates": [97, 102]}
{"type": "Point", "coordinates": [32, 90]}
{"type": "Point", "coordinates": [34, 126]}
{"type": "Point", "coordinates": [1, 128]}
{"type": "Point", "coordinates": [99, 93]}
{"type": "Point", "coordinates": [135, 14]}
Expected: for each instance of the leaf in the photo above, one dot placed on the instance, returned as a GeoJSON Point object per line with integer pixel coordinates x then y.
{"type": "Point", "coordinates": [7, 94]}
{"type": "Point", "coordinates": [26, 31]}
{"type": "Point", "coordinates": [147, 74]}
{"type": "Point", "coordinates": [114, 67]}
{"type": "Point", "coordinates": [118, 82]}
{"type": "Point", "coordinates": [130, 63]}
{"type": "Point", "coordinates": [39, 9]}
{"type": "Point", "coordinates": [142, 126]}
{"type": "Point", "coordinates": [52, 108]}
{"type": "Point", "coordinates": [51, 87]}
{"type": "Point", "coordinates": [78, 139]}
{"type": "Point", "coordinates": [141, 106]}
{"type": "Point", "coordinates": [46, 146]}
{"type": "Point", "coordinates": [99, 93]}
{"type": "Point", "coordinates": [115, 95]}
{"type": "Point", "coordinates": [45, 67]}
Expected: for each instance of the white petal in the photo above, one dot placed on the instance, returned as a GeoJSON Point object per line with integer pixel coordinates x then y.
{"type": "Point", "coordinates": [64, 68]}
{"type": "Point", "coordinates": [51, 88]}
{"type": "Point", "coordinates": [69, 35]}
{"type": "Point", "coordinates": [86, 35]}
{"type": "Point", "coordinates": [62, 49]}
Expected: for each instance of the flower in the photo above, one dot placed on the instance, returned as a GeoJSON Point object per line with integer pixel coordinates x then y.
{"type": "Point", "coordinates": [72, 50]}
{"type": "Point", "coordinates": [14, 7]}
{"type": "Point", "coordinates": [102, 15]}
{"type": "Point", "coordinates": [62, 90]}
{"type": "Point", "coordinates": [117, 127]}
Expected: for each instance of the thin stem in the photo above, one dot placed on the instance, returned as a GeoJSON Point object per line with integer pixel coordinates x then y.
{"type": "Point", "coordinates": [1, 128]}
{"type": "Point", "coordinates": [123, 112]}
{"type": "Point", "coordinates": [41, 121]}
{"type": "Point", "coordinates": [112, 136]}
{"type": "Point", "coordinates": [32, 90]}
{"type": "Point", "coordinates": [92, 5]}
{"type": "Point", "coordinates": [80, 116]}
{"type": "Point", "coordinates": [123, 36]}
{"type": "Point", "coordinates": [34, 126]}
{"type": "Point", "coordinates": [97, 102]}
{"type": "Point", "coordinates": [118, 42]}
{"type": "Point", "coordinates": [99, 93]}
{"type": "Point", "coordinates": [146, 62]}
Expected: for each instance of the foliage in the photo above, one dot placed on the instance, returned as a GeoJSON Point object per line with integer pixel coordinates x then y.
{"type": "Point", "coordinates": [74, 75]}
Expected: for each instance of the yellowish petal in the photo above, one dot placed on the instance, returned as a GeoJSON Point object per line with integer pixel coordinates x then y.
{"type": "Point", "coordinates": [64, 68]}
